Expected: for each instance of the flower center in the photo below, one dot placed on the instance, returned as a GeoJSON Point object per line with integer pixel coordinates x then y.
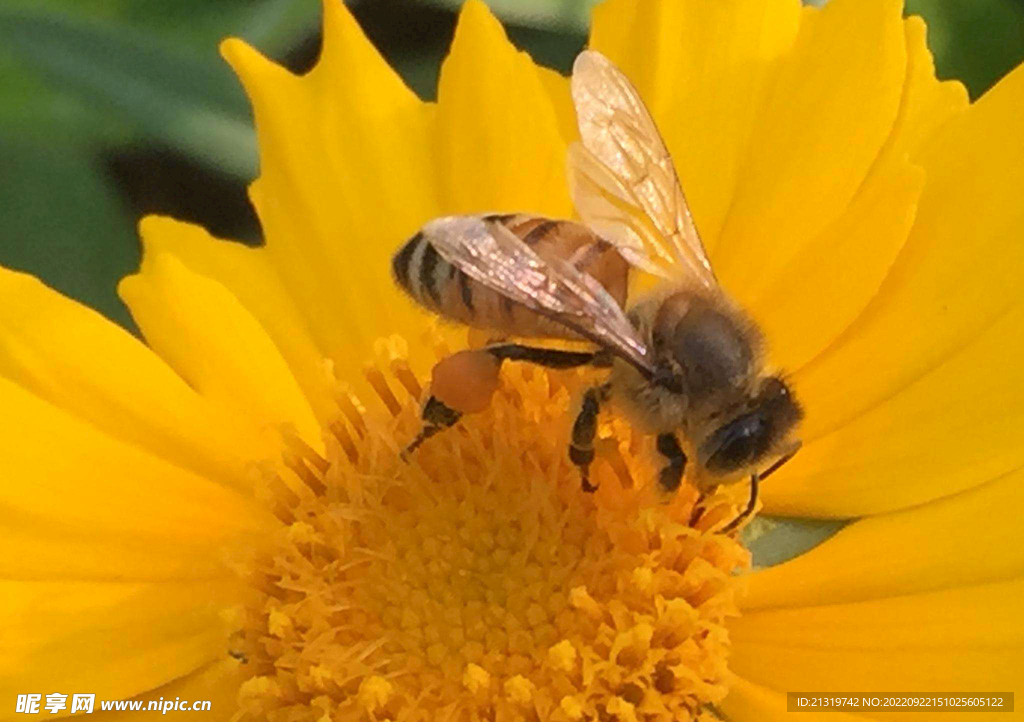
{"type": "Point", "coordinates": [477, 581]}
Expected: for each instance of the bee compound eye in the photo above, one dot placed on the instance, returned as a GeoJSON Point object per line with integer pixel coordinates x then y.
{"type": "Point", "coordinates": [736, 444]}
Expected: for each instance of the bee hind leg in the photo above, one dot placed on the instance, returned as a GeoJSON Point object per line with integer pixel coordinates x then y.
{"type": "Point", "coordinates": [436, 417]}
{"type": "Point", "coordinates": [551, 358]}
{"type": "Point", "coordinates": [464, 382]}
{"type": "Point", "coordinates": [584, 429]}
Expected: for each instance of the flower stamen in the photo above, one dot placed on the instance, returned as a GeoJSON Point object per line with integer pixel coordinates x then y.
{"type": "Point", "coordinates": [478, 581]}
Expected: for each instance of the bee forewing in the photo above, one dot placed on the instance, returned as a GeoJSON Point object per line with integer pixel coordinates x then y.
{"type": "Point", "coordinates": [605, 206]}
{"type": "Point", "coordinates": [492, 255]}
{"type": "Point", "coordinates": [623, 179]}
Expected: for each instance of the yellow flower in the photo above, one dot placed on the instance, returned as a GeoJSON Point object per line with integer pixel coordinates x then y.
{"type": "Point", "coordinates": [222, 514]}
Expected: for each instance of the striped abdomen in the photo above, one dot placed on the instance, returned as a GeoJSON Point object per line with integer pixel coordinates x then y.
{"type": "Point", "coordinates": [446, 290]}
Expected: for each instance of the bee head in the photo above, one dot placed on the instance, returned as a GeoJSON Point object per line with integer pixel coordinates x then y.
{"type": "Point", "coordinates": [745, 439]}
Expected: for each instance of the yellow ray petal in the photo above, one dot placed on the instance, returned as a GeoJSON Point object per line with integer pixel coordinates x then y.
{"type": "Point", "coordinates": [557, 86]}
{"type": "Point", "coordinates": [704, 69]}
{"type": "Point", "coordinates": [955, 427]}
{"type": "Point", "coordinates": [64, 477]}
{"type": "Point", "coordinates": [749, 702]}
{"type": "Point", "coordinates": [293, 214]}
{"type": "Point", "coordinates": [115, 639]}
{"type": "Point", "coordinates": [968, 539]}
{"type": "Point", "coordinates": [251, 277]}
{"type": "Point", "coordinates": [32, 550]}
{"type": "Point", "coordinates": [942, 308]}
{"type": "Point", "coordinates": [957, 273]}
{"type": "Point", "coordinates": [499, 143]}
{"type": "Point", "coordinates": [63, 351]}
{"type": "Point", "coordinates": [832, 279]}
{"type": "Point", "coordinates": [953, 641]}
{"type": "Point", "coordinates": [210, 339]}
{"type": "Point", "coordinates": [927, 103]}
{"type": "Point", "coordinates": [828, 114]}
{"type": "Point", "coordinates": [346, 175]}
{"type": "Point", "coordinates": [217, 682]}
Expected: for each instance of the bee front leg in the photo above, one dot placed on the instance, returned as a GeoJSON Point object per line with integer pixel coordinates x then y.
{"type": "Point", "coordinates": [671, 475]}
{"type": "Point", "coordinates": [755, 478]}
{"type": "Point", "coordinates": [584, 429]}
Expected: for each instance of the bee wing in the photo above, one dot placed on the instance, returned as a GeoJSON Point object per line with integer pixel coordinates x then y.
{"type": "Point", "coordinates": [492, 255]}
{"type": "Point", "coordinates": [623, 181]}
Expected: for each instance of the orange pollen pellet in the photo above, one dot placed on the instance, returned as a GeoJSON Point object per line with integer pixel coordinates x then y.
{"type": "Point", "coordinates": [466, 381]}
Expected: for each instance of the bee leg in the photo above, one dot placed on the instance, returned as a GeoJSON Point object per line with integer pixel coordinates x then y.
{"type": "Point", "coordinates": [436, 417]}
{"type": "Point", "coordinates": [698, 508]}
{"type": "Point", "coordinates": [751, 503]}
{"type": "Point", "coordinates": [551, 358]}
{"type": "Point", "coordinates": [755, 478]}
{"type": "Point", "coordinates": [584, 429]}
{"type": "Point", "coordinates": [464, 382]}
{"type": "Point", "coordinates": [671, 475]}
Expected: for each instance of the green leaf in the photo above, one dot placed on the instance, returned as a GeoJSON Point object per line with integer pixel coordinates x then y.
{"type": "Point", "coordinates": [63, 223]}
{"type": "Point", "coordinates": [976, 41]}
{"type": "Point", "coordinates": [190, 103]}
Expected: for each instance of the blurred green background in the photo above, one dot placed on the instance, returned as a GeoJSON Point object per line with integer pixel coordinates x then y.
{"type": "Point", "coordinates": [110, 109]}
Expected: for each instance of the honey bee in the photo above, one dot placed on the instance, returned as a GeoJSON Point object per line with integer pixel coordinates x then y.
{"type": "Point", "coordinates": [685, 360]}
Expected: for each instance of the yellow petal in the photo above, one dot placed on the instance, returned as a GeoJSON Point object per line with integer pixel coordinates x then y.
{"type": "Point", "coordinates": [103, 508]}
{"type": "Point", "coordinates": [217, 682]}
{"type": "Point", "coordinates": [210, 339]}
{"type": "Point", "coordinates": [346, 175]}
{"type": "Point", "coordinates": [63, 351]}
{"type": "Point", "coordinates": [557, 86]}
{"type": "Point", "coordinates": [499, 145]}
{"type": "Point", "coordinates": [955, 276]}
{"type": "Point", "coordinates": [831, 280]}
{"type": "Point", "coordinates": [249, 274]}
{"type": "Point", "coordinates": [968, 539]}
{"type": "Point", "coordinates": [968, 640]}
{"type": "Point", "coordinates": [927, 103]}
{"type": "Point", "coordinates": [943, 308]}
{"type": "Point", "coordinates": [113, 639]}
{"type": "Point", "coordinates": [34, 551]}
{"type": "Point", "coordinates": [822, 125]}
{"type": "Point", "coordinates": [749, 702]}
{"type": "Point", "coordinates": [956, 426]}
{"type": "Point", "coordinates": [704, 68]}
